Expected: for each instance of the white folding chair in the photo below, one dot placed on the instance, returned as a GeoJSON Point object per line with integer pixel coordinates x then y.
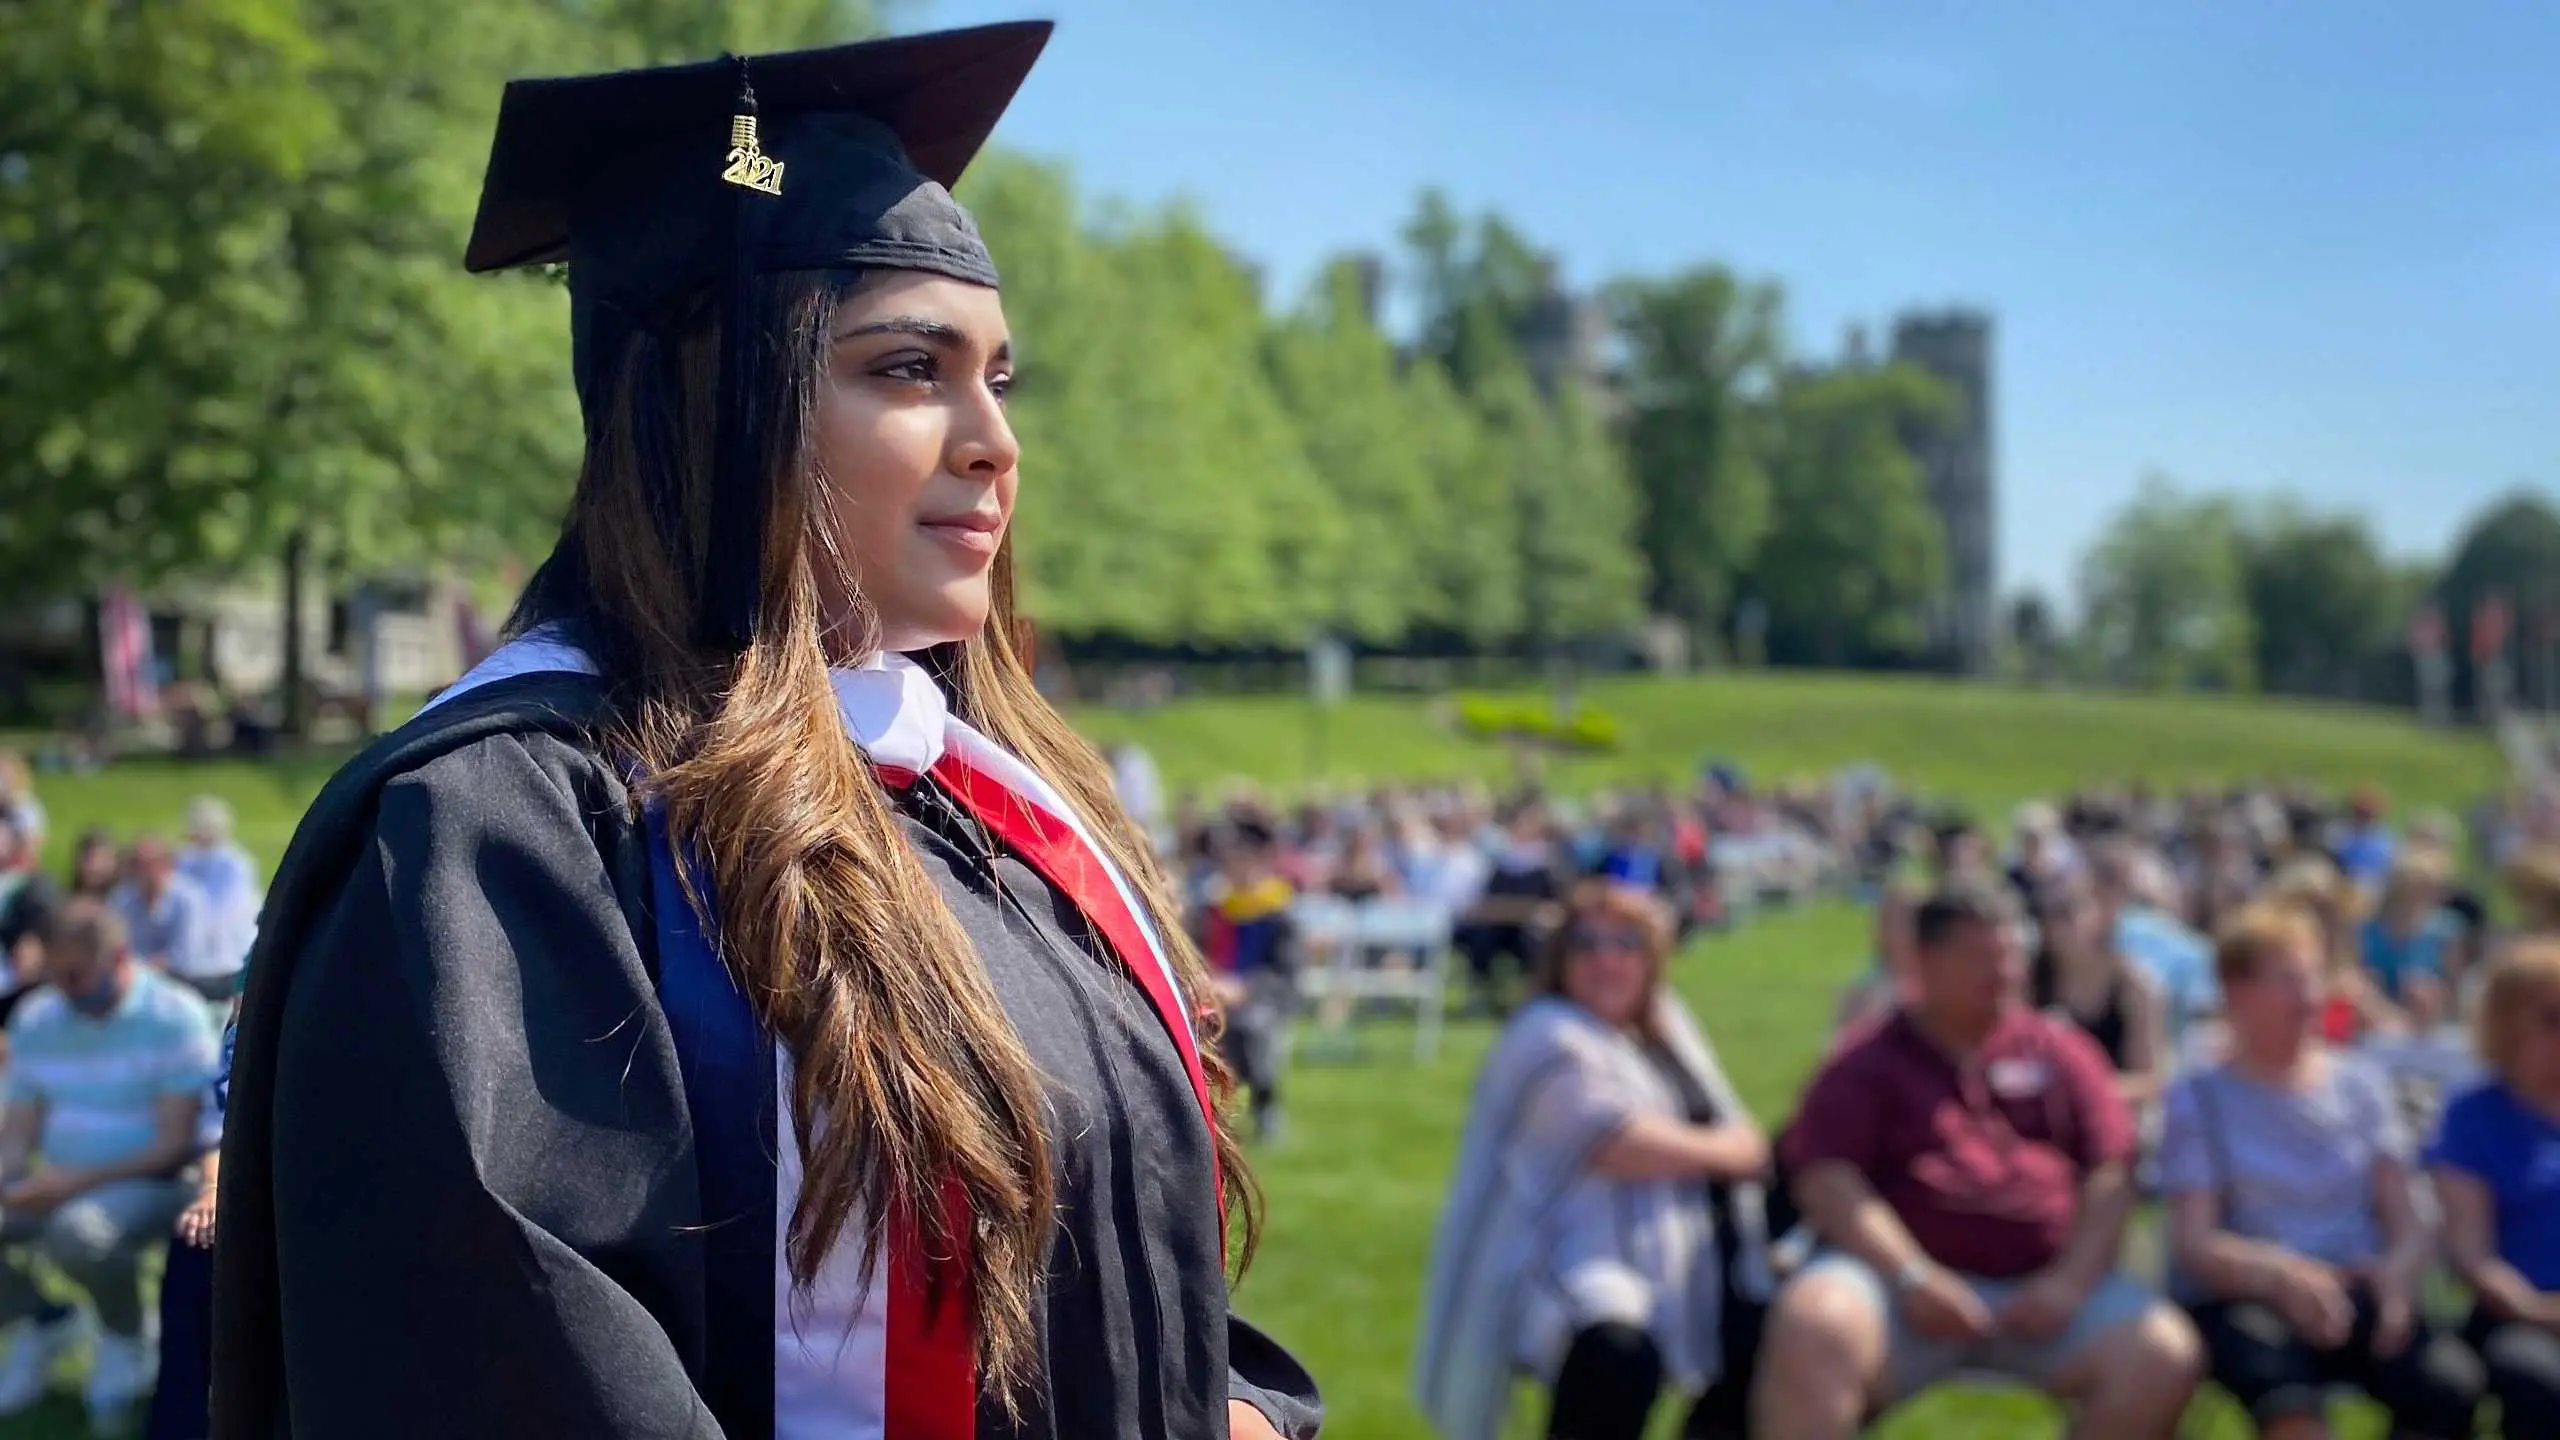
{"type": "Point", "coordinates": [1415, 928]}
{"type": "Point", "coordinates": [1347, 945]}
{"type": "Point", "coordinates": [1324, 927]}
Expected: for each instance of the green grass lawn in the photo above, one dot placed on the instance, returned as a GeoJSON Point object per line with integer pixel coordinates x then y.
{"type": "Point", "coordinates": [1983, 745]}
{"type": "Point", "coordinates": [1355, 1187]}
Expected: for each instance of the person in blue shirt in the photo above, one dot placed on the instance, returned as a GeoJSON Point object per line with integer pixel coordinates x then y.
{"type": "Point", "coordinates": [2408, 946]}
{"type": "Point", "coordinates": [2367, 848]}
{"type": "Point", "coordinates": [228, 877]}
{"type": "Point", "coordinates": [1631, 858]}
{"type": "Point", "coordinates": [2496, 1161]}
{"type": "Point", "coordinates": [2177, 959]}
{"type": "Point", "coordinates": [174, 925]}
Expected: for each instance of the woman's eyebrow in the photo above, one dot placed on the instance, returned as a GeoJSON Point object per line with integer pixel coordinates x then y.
{"type": "Point", "coordinates": [939, 331]}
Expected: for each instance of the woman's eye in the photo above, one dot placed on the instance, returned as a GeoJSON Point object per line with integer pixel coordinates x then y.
{"type": "Point", "coordinates": [1001, 385]}
{"type": "Point", "coordinates": [917, 369]}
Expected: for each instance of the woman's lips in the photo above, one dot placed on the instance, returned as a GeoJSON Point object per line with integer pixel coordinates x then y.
{"type": "Point", "coordinates": [976, 534]}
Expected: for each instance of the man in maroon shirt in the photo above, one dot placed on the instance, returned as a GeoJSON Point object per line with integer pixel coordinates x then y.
{"type": "Point", "coordinates": [1967, 1168]}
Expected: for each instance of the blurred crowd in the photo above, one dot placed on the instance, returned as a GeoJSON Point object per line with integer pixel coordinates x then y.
{"type": "Point", "coordinates": [115, 982]}
{"type": "Point", "coordinates": [1491, 862]}
{"type": "Point", "coordinates": [2319, 1041]}
{"type": "Point", "coordinates": [2321, 1047]}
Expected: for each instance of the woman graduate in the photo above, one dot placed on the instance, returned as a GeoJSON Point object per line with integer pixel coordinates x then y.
{"type": "Point", "coordinates": [738, 1007]}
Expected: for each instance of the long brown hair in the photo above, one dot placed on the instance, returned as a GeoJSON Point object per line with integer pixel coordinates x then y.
{"type": "Point", "coordinates": [910, 1082]}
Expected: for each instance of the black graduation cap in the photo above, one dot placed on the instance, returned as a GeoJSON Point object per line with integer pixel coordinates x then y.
{"type": "Point", "coordinates": [669, 187]}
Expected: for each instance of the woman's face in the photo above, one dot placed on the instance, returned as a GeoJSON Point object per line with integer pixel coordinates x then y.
{"type": "Point", "coordinates": [2416, 899]}
{"type": "Point", "coordinates": [2276, 1010]}
{"type": "Point", "coordinates": [2075, 924]}
{"type": "Point", "coordinates": [97, 865]}
{"type": "Point", "coordinates": [1606, 969]}
{"type": "Point", "coordinates": [918, 462]}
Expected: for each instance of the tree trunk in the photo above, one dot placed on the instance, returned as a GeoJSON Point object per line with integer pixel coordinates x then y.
{"type": "Point", "coordinates": [297, 703]}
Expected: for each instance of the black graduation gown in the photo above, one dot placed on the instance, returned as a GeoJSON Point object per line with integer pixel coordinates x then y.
{"type": "Point", "coordinates": [460, 1191]}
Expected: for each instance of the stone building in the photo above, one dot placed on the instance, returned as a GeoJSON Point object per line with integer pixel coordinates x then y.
{"type": "Point", "coordinates": [1955, 346]}
{"type": "Point", "coordinates": [413, 623]}
{"type": "Point", "coordinates": [1565, 338]}
{"type": "Point", "coordinates": [233, 636]}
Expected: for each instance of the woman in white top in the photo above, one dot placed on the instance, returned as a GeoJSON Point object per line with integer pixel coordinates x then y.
{"type": "Point", "coordinates": [1605, 1230]}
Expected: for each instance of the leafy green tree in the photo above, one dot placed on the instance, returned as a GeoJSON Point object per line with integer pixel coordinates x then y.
{"type": "Point", "coordinates": [1855, 552]}
{"type": "Point", "coordinates": [1579, 576]}
{"type": "Point", "coordinates": [1481, 286]}
{"type": "Point", "coordinates": [1702, 353]}
{"type": "Point", "coordinates": [2511, 550]}
{"type": "Point", "coordinates": [1168, 498]}
{"type": "Point", "coordinates": [1585, 537]}
{"type": "Point", "coordinates": [1571, 503]}
{"type": "Point", "coordinates": [1338, 377]}
{"type": "Point", "coordinates": [2324, 601]}
{"type": "Point", "coordinates": [2165, 594]}
{"type": "Point", "coordinates": [1470, 562]}
{"type": "Point", "coordinates": [232, 313]}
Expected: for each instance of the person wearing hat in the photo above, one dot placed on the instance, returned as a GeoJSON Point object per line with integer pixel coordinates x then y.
{"type": "Point", "coordinates": [738, 1007]}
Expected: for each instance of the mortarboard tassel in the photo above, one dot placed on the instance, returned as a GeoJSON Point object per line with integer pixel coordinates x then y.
{"type": "Point", "coordinates": [733, 570]}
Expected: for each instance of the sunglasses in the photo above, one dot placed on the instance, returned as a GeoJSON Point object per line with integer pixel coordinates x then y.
{"type": "Point", "coordinates": [1625, 942]}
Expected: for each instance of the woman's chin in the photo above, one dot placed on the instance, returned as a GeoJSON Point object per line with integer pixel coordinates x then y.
{"type": "Point", "coordinates": [944, 617]}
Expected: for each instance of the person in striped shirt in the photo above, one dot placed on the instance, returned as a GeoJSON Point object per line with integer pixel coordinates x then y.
{"type": "Point", "coordinates": [110, 1062]}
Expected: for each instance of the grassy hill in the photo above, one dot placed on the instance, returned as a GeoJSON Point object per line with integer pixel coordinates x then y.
{"type": "Point", "coordinates": [1984, 745]}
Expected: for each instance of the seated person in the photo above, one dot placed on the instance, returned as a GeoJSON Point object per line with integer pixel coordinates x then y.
{"type": "Point", "coordinates": [97, 865]}
{"type": "Point", "coordinates": [1631, 858]}
{"type": "Point", "coordinates": [1514, 915]}
{"type": "Point", "coordinates": [109, 1064]}
{"type": "Point", "coordinates": [225, 874]}
{"type": "Point", "coordinates": [1963, 852]}
{"type": "Point", "coordinates": [2293, 1227]}
{"type": "Point", "coordinates": [2365, 848]}
{"type": "Point", "coordinates": [1247, 941]}
{"type": "Point", "coordinates": [1364, 872]}
{"type": "Point", "coordinates": [1873, 997]}
{"type": "Point", "coordinates": [28, 899]}
{"type": "Point", "coordinates": [173, 925]}
{"type": "Point", "coordinates": [2532, 881]}
{"type": "Point", "coordinates": [2079, 976]}
{"type": "Point", "coordinates": [1604, 1231]}
{"type": "Point", "coordinates": [2408, 949]}
{"type": "Point", "coordinates": [2352, 1005]}
{"type": "Point", "coordinates": [2128, 885]}
{"type": "Point", "coordinates": [1441, 862]}
{"type": "Point", "coordinates": [2496, 1160]}
{"type": "Point", "coordinates": [1967, 1168]}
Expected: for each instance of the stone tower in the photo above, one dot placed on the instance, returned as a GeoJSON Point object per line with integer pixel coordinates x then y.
{"type": "Point", "coordinates": [1955, 346]}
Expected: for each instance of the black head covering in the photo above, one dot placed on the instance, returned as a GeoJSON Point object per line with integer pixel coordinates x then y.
{"type": "Point", "coordinates": [671, 188]}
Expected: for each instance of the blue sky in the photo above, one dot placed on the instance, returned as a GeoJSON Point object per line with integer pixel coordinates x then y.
{"type": "Point", "coordinates": [2270, 246]}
